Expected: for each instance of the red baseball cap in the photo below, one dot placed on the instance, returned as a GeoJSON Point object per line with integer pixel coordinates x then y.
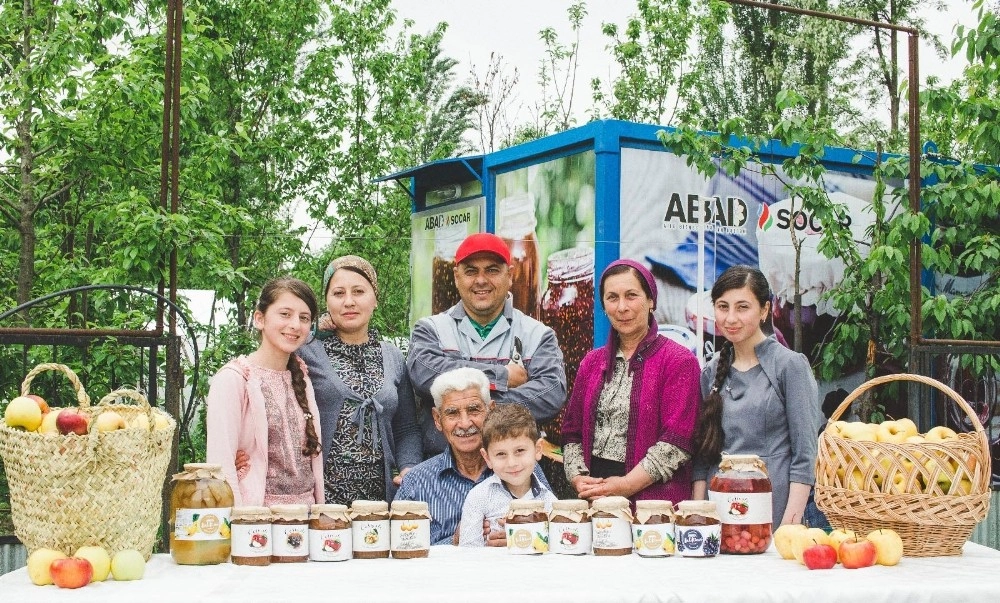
{"type": "Point", "coordinates": [482, 242]}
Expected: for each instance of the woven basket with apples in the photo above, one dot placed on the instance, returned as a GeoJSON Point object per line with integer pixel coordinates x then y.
{"type": "Point", "coordinates": [931, 488]}
{"type": "Point", "coordinates": [85, 475]}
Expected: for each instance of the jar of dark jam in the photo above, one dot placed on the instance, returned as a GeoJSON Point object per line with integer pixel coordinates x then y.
{"type": "Point", "coordinates": [653, 528]}
{"type": "Point", "coordinates": [201, 503]}
{"type": "Point", "coordinates": [289, 533]}
{"type": "Point", "coordinates": [251, 536]}
{"type": "Point", "coordinates": [516, 226]}
{"type": "Point", "coordinates": [697, 528]}
{"type": "Point", "coordinates": [330, 537]}
{"type": "Point", "coordinates": [611, 519]}
{"type": "Point", "coordinates": [444, 294]}
{"type": "Point", "coordinates": [741, 492]}
{"type": "Point", "coordinates": [370, 529]}
{"type": "Point", "coordinates": [527, 527]}
{"type": "Point", "coordinates": [410, 529]}
{"type": "Point", "coordinates": [570, 532]}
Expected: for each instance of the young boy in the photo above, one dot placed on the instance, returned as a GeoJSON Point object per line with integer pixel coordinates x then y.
{"type": "Point", "coordinates": [511, 446]}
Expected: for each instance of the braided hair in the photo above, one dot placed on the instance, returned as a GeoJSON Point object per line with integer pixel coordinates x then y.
{"type": "Point", "coordinates": [271, 291]}
{"type": "Point", "coordinates": [709, 437]}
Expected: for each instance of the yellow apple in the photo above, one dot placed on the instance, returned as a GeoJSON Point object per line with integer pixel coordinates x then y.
{"type": "Point", "coordinates": [160, 421]}
{"type": "Point", "coordinates": [24, 413]}
{"type": "Point", "coordinates": [861, 432]}
{"type": "Point", "coordinates": [963, 487]}
{"type": "Point", "coordinates": [39, 562]}
{"type": "Point", "coordinates": [940, 434]}
{"type": "Point", "coordinates": [836, 428]}
{"type": "Point", "coordinates": [783, 538]}
{"type": "Point", "coordinates": [806, 538]}
{"type": "Point", "coordinates": [888, 546]}
{"type": "Point", "coordinates": [840, 535]}
{"type": "Point", "coordinates": [941, 472]}
{"type": "Point", "coordinates": [128, 565]}
{"type": "Point", "coordinates": [140, 421]}
{"type": "Point", "coordinates": [895, 432]}
{"type": "Point", "coordinates": [109, 420]}
{"type": "Point", "coordinates": [99, 560]}
{"type": "Point", "coordinates": [890, 471]}
{"type": "Point", "coordinates": [48, 426]}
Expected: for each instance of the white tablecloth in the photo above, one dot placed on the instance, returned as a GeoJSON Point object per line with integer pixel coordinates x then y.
{"type": "Point", "coordinates": [484, 575]}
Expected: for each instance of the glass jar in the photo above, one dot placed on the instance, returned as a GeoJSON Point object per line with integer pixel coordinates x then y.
{"type": "Point", "coordinates": [370, 529]}
{"type": "Point", "coordinates": [570, 530]}
{"type": "Point", "coordinates": [741, 492]}
{"type": "Point", "coordinates": [697, 528]}
{"type": "Point", "coordinates": [200, 506]}
{"type": "Point", "coordinates": [289, 533]}
{"type": "Point", "coordinates": [409, 529]}
{"type": "Point", "coordinates": [251, 536]}
{"type": "Point", "coordinates": [516, 226]}
{"type": "Point", "coordinates": [527, 527]}
{"type": "Point", "coordinates": [611, 518]}
{"type": "Point", "coordinates": [444, 293]}
{"type": "Point", "coordinates": [653, 528]}
{"type": "Point", "coordinates": [330, 537]}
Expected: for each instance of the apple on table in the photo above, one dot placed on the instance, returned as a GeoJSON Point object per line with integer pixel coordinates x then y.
{"type": "Point", "coordinates": [819, 556]}
{"type": "Point", "coordinates": [783, 538]}
{"type": "Point", "coordinates": [857, 553]}
{"type": "Point", "coordinates": [888, 546]}
{"type": "Point", "coordinates": [71, 572]}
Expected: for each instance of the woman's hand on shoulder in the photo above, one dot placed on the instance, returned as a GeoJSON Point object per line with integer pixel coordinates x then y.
{"type": "Point", "coordinates": [242, 464]}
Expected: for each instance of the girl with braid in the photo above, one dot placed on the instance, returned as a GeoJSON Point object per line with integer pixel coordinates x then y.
{"type": "Point", "coordinates": [759, 398]}
{"type": "Point", "coordinates": [263, 406]}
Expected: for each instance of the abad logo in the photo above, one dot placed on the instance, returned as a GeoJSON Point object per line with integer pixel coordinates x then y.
{"type": "Point", "coordinates": [723, 215]}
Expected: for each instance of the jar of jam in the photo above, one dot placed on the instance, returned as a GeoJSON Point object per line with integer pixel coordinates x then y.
{"type": "Point", "coordinates": [570, 532]}
{"type": "Point", "coordinates": [444, 294]}
{"type": "Point", "coordinates": [200, 506]}
{"type": "Point", "coordinates": [741, 492]}
{"type": "Point", "coordinates": [330, 537]}
{"type": "Point", "coordinates": [370, 529]}
{"type": "Point", "coordinates": [653, 528]}
{"type": "Point", "coordinates": [289, 533]}
{"type": "Point", "coordinates": [697, 528]}
{"type": "Point", "coordinates": [251, 536]}
{"type": "Point", "coordinates": [611, 518]}
{"type": "Point", "coordinates": [409, 529]}
{"type": "Point", "coordinates": [516, 226]}
{"type": "Point", "coordinates": [527, 527]}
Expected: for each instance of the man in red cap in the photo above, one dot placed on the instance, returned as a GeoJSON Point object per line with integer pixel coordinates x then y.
{"type": "Point", "coordinates": [520, 355]}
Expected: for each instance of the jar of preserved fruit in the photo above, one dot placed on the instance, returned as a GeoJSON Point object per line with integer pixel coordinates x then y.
{"type": "Point", "coordinates": [570, 532]}
{"type": "Point", "coordinates": [527, 527]}
{"type": "Point", "coordinates": [410, 529]}
{"type": "Point", "coordinates": [697, 528]}
{"type": "Point", "coordinates": [653, 528]}
{"type": "Point", "coordinates": [567, 305]}
{"type": "Point", "coordinates": [516, 226]}
{"type": "Point", "coordinates": [370, 529]}
{"type": "Point", "coordinates": [330, 537]}
{"type": "Point", "coordinates": [611, 518]}
{"type": "Point", "coordinates": [444, 294]}
{"type": "Point", "coordinates": [289, 533]}
{"type": "Point", "coordinates": [741, 492]}
{"type": "Point", "coordinates": [251, 536]}
{"type": "Point", "coordinates": [200, 507]}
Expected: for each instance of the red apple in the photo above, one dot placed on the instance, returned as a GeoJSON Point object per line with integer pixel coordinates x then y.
{"type": "Point", "coordinates": [857, 553]}
{"type": "Point", "coordinates": [72, 572]}
{"type": "Point", "coordinates": [71, 420]}
{"type": "Point", "coordinates": [820, 556]}
{"type": "Point", "coordinates": [41, 402]}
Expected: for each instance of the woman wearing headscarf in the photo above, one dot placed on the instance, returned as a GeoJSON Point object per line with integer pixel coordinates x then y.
{"type": "Point", "coordinates": [629, 422]}
{"type": "Point", "coordinates": [366, 406]}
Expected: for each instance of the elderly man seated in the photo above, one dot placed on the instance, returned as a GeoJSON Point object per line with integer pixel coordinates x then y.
{"type": "Point", "coordinates": [461, 401]}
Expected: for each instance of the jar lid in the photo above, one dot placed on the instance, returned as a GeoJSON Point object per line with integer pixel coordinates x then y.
{"type": "Point", "coordinates": [655, 505]}
{"type": "Point", "coordinates": [252, 513]}
{"type": "Point", "coordinates": [527, 505]}
{"type": "Point", "coordinates": [290, 512]}
{"type": "Point", "coordinates": [409, 506]}
{"type": "Point", "coordinates": [698, 507]}
{"type": "Point", "coordinates": [205, 466]}
{"type": "Point", "coordinates": [316, 510]}
{"type": "Point", "coordinates": [200, 471]}
{"type": "Point", "coordinates": [610, 503]}
{"type": "Point", "coordinates": [363, 507]}
{"type": "Point", "coordinates": [742, 462]}
{"type": "Point", "coordinates": [572, 504]}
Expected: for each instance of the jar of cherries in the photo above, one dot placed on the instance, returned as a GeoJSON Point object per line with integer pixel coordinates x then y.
{"type": "Point", "coordinates": [741, 491]}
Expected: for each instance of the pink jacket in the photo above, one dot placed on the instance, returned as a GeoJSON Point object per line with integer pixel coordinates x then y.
{"type": "Point", "coordinates": [237, 421]}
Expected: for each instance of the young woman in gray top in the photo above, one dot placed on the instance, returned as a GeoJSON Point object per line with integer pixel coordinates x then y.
{"type": "Point", "coordinates": [759, 398]}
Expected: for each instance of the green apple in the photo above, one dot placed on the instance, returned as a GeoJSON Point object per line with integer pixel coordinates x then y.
{"type": "Point", "coordinates": [128, 564]}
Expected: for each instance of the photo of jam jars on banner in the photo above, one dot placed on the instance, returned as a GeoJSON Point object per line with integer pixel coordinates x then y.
{"type": "Point", "coordinates": [568, 305]}
{"type": "Point", "coordinates": [516, 226]}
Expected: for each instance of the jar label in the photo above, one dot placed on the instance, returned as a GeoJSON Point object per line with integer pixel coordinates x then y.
{"type": "Point", "coordinates": [410, 534]}
{"type": "Point", "coordinates": [370, 536]}
{"type": "Point", "coordinates": [742, 509]}
{"type": "Point", "coordinates": [251, 540]}
{"type": "Point", "coordinates": [528, 538]}
{"type": "Point", "coordinates": [612, 533]}
{"type": "Point", "coordinates": [330, 545]}
{"type": "Point", "coordinates": [290, 540]}
{"type": "Point", "coordinates": [570, 538]}
{"type": "Point", "coordinates": [698, 541]}
{"type": "Point", "coordinates": [656, 540]}
{"type": "Point", "coordinates": [202, 524]}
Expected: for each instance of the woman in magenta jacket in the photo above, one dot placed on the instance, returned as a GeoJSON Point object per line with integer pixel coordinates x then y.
{"type": "Point", "coordinates": [629, 421]}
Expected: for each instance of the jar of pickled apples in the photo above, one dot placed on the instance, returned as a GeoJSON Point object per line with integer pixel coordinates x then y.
{"type": "Point", "coordinates": [741, 491]}
{"type": "Point", "coordinates": [200, 506]}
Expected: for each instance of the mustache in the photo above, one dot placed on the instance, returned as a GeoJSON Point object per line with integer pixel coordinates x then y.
{"type": "Point", "coordinates": [461, 433]}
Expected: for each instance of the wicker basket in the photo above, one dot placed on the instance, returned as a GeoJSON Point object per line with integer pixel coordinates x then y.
{"type": "Point", "coordinates": [103, 488]}
{"type": "Point", "coordinates": [933, 493]}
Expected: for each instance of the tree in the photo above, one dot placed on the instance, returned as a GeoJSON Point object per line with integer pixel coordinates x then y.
{"type": "Point", "coordinates": [497, 90]}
